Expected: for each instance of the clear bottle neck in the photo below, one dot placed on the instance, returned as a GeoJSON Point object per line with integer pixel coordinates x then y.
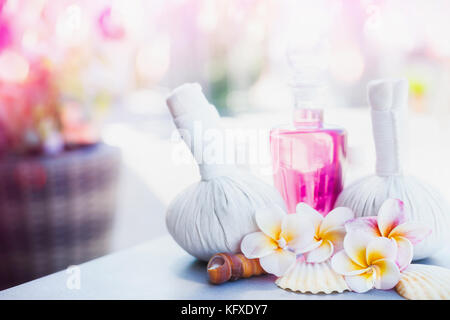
{"type": "Point", "coordinates": [309, 101]}
{"type": "Point", "coordinates": [308, 117]}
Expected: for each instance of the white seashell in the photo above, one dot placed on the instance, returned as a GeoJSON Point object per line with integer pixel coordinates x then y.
{"type": "Point", "coordinates": [312, 277]}
{"type": "Point", "coordinates": [423, 203]}
{"type": "Point", "coordinates": [424, 282]}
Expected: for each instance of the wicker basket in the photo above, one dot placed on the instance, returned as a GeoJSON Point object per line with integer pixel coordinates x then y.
{"type": "Point", "coordinates": [55, 211]}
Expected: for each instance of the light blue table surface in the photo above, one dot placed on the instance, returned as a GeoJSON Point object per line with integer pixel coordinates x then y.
{"type": "Point", "coordinates": [159, 269]}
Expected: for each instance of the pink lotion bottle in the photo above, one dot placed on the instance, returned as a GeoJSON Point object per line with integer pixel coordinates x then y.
{"type": "Point", "coordinates": [308, 155]}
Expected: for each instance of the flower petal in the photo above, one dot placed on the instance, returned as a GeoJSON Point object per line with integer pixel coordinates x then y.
{"type": "Point", "coordinates": [336, 218]}
{"type": "Point", "coordinates": [355, 244]}
{"type": "Point", "coordinates": [305, 210]}
{"type": "Point", "coordinates": [257, 245]}
{"type": "Point", "coordinates": [278, 262]}
{"type": "Point", "coordinates": [320, 254]}
{"type": "Point", "coordinates": [269, 220]}
{"type": "Point", "coordinates": [364, 224]}
{"type": "Point", "coordinates": [314, 245]}
{"type": "Point", "coordinates": [342, 264]}
{"type": "Point", "coordinates": [336, 236]}
{"type": "Point", "coordinates": [387, 274]}
{"type": "Point", "coordinates": [381, 248]}
{"type": "Point", "coordinates": [412, 231]}
{"type": "Point", "coordinates": [362, 282]}
{"type": "Point", "coordinates": [405, 252]}
{"type": "Point", "coordinates": [298, 231]}
{"type": "Point", "coordinates": [390, 215]}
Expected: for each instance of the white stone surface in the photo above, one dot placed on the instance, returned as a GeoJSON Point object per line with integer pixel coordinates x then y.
{"type": "Point", "coordinates": [159, 269]}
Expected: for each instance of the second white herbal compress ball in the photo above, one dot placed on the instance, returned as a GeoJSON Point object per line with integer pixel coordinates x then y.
{"type": "Point", "coordinates": [423, 204]}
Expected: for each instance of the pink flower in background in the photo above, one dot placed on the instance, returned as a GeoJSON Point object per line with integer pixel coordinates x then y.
{"type": "Point", "coordinates": [329, 231]}
{"type": "Point", "coordinates": [33, 117]}
{"type": "Point", "coordinates": [29, 111]}
{"type": "Point", "coordinates": [109, 28]}
{"type": "Point", "coordinates": [50, 98]}
{"type": "Point", "coordinates": [392, 223]}
{"type": "Point", "coordinates": [5, 34]}
{"type": "Point", "coordinates": [5, 29]}
{"type": "Point", "coordinates": [367, 262]}
{"type": "Point", "coordinates": [280, 237]}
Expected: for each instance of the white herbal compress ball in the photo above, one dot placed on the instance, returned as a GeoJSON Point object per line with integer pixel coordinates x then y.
{"type": "Point", "coordinates": [388, 100]}
{"type": "Point", "coordinates": [214, 214]}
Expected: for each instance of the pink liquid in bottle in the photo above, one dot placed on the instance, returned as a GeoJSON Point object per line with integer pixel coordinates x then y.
{"type": "Point", "coordinates": [308, 160]}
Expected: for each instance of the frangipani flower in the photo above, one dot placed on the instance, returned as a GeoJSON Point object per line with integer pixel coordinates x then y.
{"type": "Point", "coordinates": [391, 223]}
{"type": "Point", "coordinates": [329, 231]}
{"type": "Point", "coordinates": [280, 235]}
{"type": "Point", "coordinates": [367, 262]}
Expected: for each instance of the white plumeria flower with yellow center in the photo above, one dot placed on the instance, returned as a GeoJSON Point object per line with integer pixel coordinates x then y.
{"type": "Point", "coordinates": [392, 223]}
{"type": "Point", "coordinates": [329, 231]}
{"type": "Point", "coordinates": [367, 262]}
{"type": "Point", "coordinates": [281, 236]}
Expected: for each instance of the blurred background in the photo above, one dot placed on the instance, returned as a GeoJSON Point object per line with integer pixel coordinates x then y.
{"type": "Point", "coordinates": [75, 74]}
